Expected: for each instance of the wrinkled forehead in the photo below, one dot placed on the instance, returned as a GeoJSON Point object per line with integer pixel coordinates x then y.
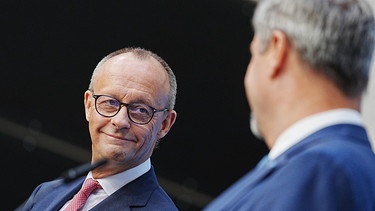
{"type": "Point", "coordinates": [128, 72]}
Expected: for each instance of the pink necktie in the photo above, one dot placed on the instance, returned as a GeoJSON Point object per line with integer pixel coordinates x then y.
{"type": "Point", "coordinates": [80, 198]}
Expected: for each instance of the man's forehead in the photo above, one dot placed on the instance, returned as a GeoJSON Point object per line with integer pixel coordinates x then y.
{"type": "Point", "coordinates": [133, 67]}
{"type": "Point", "coordinates": [131, 58]}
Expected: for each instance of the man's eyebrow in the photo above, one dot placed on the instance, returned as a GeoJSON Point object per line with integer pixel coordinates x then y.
{"type": "Point", "coordinates": [142, 100]}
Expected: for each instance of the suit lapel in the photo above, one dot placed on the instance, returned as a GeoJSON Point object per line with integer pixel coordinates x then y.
{"type": "Point", "coordinates": [135, 193]}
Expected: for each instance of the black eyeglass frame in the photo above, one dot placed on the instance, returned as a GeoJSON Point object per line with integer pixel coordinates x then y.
{"type": "Point", "coordinates": [154, 110]}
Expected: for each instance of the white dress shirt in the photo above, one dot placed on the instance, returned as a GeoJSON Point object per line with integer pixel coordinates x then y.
{"type": "Point", "coordinates": [112, 183]}
{"type": "Point", "coordinates": [307, 126]}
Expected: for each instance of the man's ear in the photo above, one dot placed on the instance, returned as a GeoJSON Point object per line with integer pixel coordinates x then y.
{"type": "Point", "coordinates": [278, 48]}
{"type": "Point", "coordinates": [167, 123]}
{"type": "Point", "coordinates": [87, 103]}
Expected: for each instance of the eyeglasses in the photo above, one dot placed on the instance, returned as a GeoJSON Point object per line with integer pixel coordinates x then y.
{"type": "Point", "coordinates": [138, 113]}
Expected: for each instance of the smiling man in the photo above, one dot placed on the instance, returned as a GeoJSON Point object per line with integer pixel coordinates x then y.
{"type": "Point", "coordinates": [129, 108]}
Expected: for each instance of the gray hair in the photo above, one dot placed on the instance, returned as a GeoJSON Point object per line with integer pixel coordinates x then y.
{"type": "Point", "coordinates": [335, 37]}
{"type": "Point", "coordinates": [142, 54]}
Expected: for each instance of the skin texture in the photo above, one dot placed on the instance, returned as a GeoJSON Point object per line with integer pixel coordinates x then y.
{"type": "Point", "coordinates": [281, 89]}
{"type": "Point", "coordinates": [126, 144]}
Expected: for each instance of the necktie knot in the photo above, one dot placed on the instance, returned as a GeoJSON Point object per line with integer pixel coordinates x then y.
{"type": "Point", "coordinates": [89, 186]}
{"type": "Point", "coordinates": [80, 198]}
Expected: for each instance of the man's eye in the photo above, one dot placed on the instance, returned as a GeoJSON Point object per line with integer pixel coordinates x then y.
{"type": "Point", "coordinates": [141, 109]}
{"type": "Point", "coordinates": [112, 102]}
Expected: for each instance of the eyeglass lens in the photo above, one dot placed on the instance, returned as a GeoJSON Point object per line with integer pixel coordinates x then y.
{"type": "Point", "coordinates": [137, 112]}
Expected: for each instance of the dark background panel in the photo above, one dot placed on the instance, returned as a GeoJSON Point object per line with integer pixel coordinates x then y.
{"type": "Point", "coordinates": [48, 52]}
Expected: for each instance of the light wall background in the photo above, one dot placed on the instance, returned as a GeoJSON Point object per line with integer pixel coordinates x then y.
{"type": "Point", "coordinates": [368, 107]}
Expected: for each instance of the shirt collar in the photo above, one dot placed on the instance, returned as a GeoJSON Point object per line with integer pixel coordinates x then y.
{"type": "Point", "coordinates": [114, 182]}
{"type": "Point", "coordinates": [311, 124]}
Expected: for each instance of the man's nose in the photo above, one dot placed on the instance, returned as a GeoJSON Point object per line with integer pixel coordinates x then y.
{"type": "Point", "coordinates": [121, 120]}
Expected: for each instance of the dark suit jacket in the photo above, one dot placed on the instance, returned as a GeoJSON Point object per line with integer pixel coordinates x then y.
{"type": "Point", "coordinates": [144, 193]}
{"type": "Point", "coordinates": [333, 169]}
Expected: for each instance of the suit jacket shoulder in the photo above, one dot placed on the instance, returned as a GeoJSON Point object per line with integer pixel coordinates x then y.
{"type": "Point", "coordinates": [332, 169]}
{"type": "Point", "coordinates": [52, 195]}
{"type": "Point", "coordinates": [144, 193]}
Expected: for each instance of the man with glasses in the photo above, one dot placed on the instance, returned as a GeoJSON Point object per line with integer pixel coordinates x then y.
{"type": "Point", "coordinates": [129, 108]}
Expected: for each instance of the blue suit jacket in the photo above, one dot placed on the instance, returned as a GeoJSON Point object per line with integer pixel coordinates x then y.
{"type": "Point", "coordinates": [144, 193]}
{"type": "Point", "coordinates": [333, 169]}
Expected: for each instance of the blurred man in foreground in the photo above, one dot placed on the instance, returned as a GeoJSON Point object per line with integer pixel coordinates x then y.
{"type": "Point", "coordinates": [308, 71]}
